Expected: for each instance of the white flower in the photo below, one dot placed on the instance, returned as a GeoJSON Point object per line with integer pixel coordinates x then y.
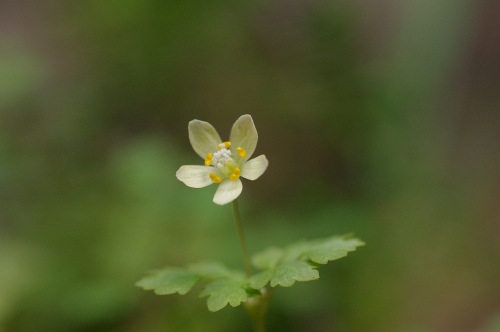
{"type": "Point", "coordinates": [226, 161]}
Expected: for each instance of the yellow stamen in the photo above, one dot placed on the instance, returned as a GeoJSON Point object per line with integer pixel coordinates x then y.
{"type": "Point", "coordinates": [215, 178]}
{"type": "Point", "coordinates": [236, 174]}
{"type": "Point", "coordinates": [241, 152]}
{"type": "Point", "coordinates": [208, 159]}
{"type": "Point", "coordinates": [224, 145]}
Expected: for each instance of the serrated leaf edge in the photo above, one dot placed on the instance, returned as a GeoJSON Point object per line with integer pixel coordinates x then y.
{"type": "Point", "coordinates": [262, 278]}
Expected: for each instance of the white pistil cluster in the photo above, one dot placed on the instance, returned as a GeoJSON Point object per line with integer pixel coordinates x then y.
{"type": "Point", "coordinates": [221, 158]}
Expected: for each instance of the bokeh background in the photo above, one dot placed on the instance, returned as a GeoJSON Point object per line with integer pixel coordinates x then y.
{"type": "Point", "coordinates": [379, 118]}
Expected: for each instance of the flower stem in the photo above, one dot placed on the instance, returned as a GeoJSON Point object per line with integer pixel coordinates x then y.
{"type": "Point", "coordinates": [239, 227]}
{"type": "Point", "coordinates": [256, 306]}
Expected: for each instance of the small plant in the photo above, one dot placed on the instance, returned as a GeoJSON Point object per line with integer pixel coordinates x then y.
{"type": "Point", "coordinates": [224, 163]}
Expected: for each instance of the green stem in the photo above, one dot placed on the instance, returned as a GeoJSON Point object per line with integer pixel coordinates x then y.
{"type": "Point", "coordinates": [256, 306]}
{"type": "Point", "coordinates": [239, 226]}
{"type": "Point", "coordinates": [259, 326]}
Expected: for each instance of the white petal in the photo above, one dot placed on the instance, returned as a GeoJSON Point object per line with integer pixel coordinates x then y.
{"type": "Point", "coordinates": [195, 176]}
{"type": "Point", "coordinates": [244, 134]}
{"type": "Point", "coordinates": [228, 191]}
{"type": "Point", "coordinates": [203, 137]}
{"type": "Point", "coordinates": [254, 168]}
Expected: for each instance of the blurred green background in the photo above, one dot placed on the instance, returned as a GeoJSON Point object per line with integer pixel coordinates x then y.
{"type": "Point", "coordinates": [379, 118]}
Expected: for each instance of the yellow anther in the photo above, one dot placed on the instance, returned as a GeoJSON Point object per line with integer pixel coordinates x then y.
{"type": "Point", "coordinates": [215, 178]}
{"type": "Point", "coordinates": [241, 152]}
{"type": "Point", "coordinates": [224, 145]}
{"type": "Point", "coordinates": [208, 159]}
{"type": "Point", "coordinates": [236, 174]}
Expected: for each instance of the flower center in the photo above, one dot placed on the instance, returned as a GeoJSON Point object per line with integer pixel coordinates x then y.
{"type": "Point", "coordinates": [222, 159]}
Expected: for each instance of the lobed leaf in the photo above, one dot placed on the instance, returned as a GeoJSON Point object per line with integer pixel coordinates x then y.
{"type": "Point", "coordinates": [268, 258]}
{"type": "Point", "coordinates": [223, 291]}
{"type": "Point", "coordinates": [213, 270]}
{"type": "Point", "coordinates": [169, 281]}
{"type": "Point", "coordinates": [227, 286]}
{"type": "Point", "coordinates": [259, 280]}
{"type": "Point", "coordinates": [286, 274]}
{"type": "Point", "coordinates": [278, 266]}
{"type": "Point", "coordinates": [295, 262]}
{"type": "Point", "coordinates": [331, 249]}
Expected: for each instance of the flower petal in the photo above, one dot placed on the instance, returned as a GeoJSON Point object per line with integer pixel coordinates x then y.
{"type": "Point", "coordinates": [228, 191]}
{"type": "Point", "coordinates": [195, 176]}
{"type": "Point", "coordinates": [203, 137]}
{"type": "Point", "coordinates": [244, 134]}
{"type": "Point", "coordinates": [254, 168]}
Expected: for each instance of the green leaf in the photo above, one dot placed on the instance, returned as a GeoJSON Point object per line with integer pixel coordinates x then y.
{"type": "Point", "coordinates": [278, 266]}
{"type": "Point", "coordinates": [169, 281]}
{"type": "Point", "coordinates": [268, 258]}
{"type": "Point", "coordinates": [224, 291]}
{"type": "Point", "coordinates": [226, 286]}
{"type": "Point", "coordinates": [212, 270]}
{"type": "Point", "coordinates": [331, 249]}
{"type": "Point", "coordinates": [286, 274]}
{"type": "Point", "coordinates": [261, 279]}
{"type": "Point", "coordinates": [295, 262]}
